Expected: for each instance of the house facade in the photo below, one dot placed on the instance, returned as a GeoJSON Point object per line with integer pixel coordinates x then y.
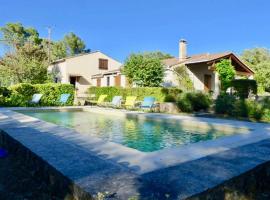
{"type": "Point", "coordinates": [200, 69]}
{"type": "Point", "coordinates": [78, 70]}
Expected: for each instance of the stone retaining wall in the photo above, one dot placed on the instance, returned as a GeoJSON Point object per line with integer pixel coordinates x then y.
{"type": "Point", "coordinates": [252, 185]}
{"type": "Point", "coordinates": [58, 185]}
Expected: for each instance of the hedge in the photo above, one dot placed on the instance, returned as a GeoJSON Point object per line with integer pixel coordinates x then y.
{"type": "Point", "coordinates": [21, 94]}
{"type": "Point", "coordinates": [244, 87]}
{"type": "Point", "coordinates": [242, 108]}
{"type": "Point", "coordinates": [161, 94]}
{"type": "Point", "coordinates": [194, 101]}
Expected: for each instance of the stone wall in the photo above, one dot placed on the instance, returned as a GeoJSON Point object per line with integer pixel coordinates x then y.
{"type": "Point", "coordinates": [252, 185]}
{"type": "Point", "coordinates": [57, 184]}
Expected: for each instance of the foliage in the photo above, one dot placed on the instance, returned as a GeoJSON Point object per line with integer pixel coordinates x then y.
{"type": "Point", "coordinates": [224, 104]}
{"type": "Point", "coordinates": [258, 59]}
{"type": "Point", "coordinates": [30, 55]}
{"type": "Point", "coordinates": [16, 36]}
{"type": "Point", "coordinates": [21, 94]}
{"type": "Point", "coordinates": [226, 73]}
{"type": "Point", "coordinates": [28, 64]}
{"type": "Point", "coordinates": [193, 101]}
{"type": "Point", "coordinates": [161, 94]}
{"type": "Point", "coordinates": [183, 78]}
{"type": "Point", "coordinates": [74, 44]}
{"type": "Point", "coordinates": [157, 54]}
{"type": "Point", "coordinates": [144, 70]}
{"type": "Point", "coordinates": [244, 87]}
{"type": "Point", "coordinates": [242, 108]}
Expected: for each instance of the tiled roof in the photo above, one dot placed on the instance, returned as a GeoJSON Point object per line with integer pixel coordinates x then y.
{"type": "Point", "coordinates": [198, 58]}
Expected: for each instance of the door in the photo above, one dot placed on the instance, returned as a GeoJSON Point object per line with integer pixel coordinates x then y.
{"type": "Point", "coordinates": [117, 80]}
{"type": "Point", "coordinates": [98, 82]}
{"type": "Point", "coordinates": [207, 82]}
{"type": "Point", "coordinates": [72, 80]}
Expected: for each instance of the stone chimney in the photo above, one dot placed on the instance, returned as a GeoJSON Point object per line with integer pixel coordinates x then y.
{"type": "Point", "coordinates": [182, 50]}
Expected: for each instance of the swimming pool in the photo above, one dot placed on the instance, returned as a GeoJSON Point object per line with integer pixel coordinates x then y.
{"type": "Point", "coordinates": [145, 135]}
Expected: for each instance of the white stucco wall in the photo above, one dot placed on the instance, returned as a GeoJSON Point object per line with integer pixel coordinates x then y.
{"type": "Point", "coordinates": [84, 66]}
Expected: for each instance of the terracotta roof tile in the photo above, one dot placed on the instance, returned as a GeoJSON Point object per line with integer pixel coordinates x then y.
{"type": "Point", "coordinates": [206, 57]}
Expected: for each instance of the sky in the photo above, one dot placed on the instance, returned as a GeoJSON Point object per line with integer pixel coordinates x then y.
{"type": "Point", "coordinates": [121, 27]}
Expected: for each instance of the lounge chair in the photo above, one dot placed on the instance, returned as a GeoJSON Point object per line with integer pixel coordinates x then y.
{"type": "Point", "coordinates": [101, 99]}
{"type": "Point", "coordinates": [116, 101]}
{"type": "Point", "coordinates": [64, 98]}
{"type": "Point", "coordinates": [35, 99]}
{"type": "Point", "coordinates": [130, 101]}
{"type": "Point", "coordinates": [148, 102]}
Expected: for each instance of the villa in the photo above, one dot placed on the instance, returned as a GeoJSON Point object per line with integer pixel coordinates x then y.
{"type": "Point", "coordinates": [200, 68]}
{"type": "Point", "coordinates": [100, 70]}
{"type": "Point", "coordinates": [79, 69]}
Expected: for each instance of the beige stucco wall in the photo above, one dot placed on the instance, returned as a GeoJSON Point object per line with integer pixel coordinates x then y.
{"type": "Point", "coordinates": [83, 66]}
{"type": "Point", "coordinates": [196, 73]}
{"type": "Point", "coordinates": [103, 82]}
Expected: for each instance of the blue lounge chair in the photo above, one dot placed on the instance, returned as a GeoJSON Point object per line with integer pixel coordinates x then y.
{"type": "Point", "coordinates": [116, 101]}
{"type": "Point", "coordinates": [64, 98]}
{"type": "Point", "coordinates": [148, 102]}
{"type": "Point", "coordinates": [36, 98]}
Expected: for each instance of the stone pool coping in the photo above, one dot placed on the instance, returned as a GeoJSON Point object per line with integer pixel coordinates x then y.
{"type": "Point", "coordinates": [128, 162]}
{"type": "Point", "coordinates": [143, 162]}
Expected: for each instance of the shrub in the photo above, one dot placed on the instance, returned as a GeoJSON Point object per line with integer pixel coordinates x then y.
{"type": "Point", "coordinates": [224, 104]}
{"type": "Point", "coordinates": [244, 87]}
{"type": "Point", "coordinates": [161, 94]}
{"type": "Point", "coordinates": [4, 91]}
{"type": "Point", "coordinates": [193, 101]}
{"type": "Point", "coordinates": [20, 94]}
{"type": "Point", "coordinates": [231, 106]}
{"type": "Point", "coordinates": [255, 110]}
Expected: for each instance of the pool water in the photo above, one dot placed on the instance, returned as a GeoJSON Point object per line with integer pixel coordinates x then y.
{"type": "Point", "coordinates": [143, 135]}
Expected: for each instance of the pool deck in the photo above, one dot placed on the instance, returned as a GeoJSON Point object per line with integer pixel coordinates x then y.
{"type": "Point", "coordinates": [99, 166]}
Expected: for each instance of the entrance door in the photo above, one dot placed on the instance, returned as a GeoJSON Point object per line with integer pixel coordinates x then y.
{"type": "Point", "coordinates": [72, 80]}
{"type": "Point", "coordinates": [117, 80]}
{"type": "Point", "coordinates": [98, 82]}
{"type": "Point", "coordinates": [207, 82]}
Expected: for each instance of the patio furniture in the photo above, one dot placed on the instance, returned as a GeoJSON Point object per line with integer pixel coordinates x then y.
{"type": "Point", "coordinates": [116, 101]}
{"type": "Point", "coordinates": [148, 102]}
{"type": "Point", "coordinates": [64, 98]}
{"type": "Point", "coordinates": [3, 153]}
{"type": "Point", "coordinates": [35, 99]}
{"type": "Point", "coordinates": [130, 101]}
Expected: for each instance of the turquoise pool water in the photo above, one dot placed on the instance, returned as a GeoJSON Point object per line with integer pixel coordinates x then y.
{"type": "Point", "coordinates": [143, 135]}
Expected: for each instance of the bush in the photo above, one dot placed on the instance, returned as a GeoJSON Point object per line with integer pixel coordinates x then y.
{"type": "Point", "coordinates": [225, 104]}
{"type": "Point", "coordinates": [4, 91]}
{"type": "Point", "coordinates": [21, 94]}
{"type": "Point", "coordinates": [193, 101]}
{"type": "Point", "coordinates": [161, 94]}
{"type": "Point", "coordinates": [231, 106]}
{"type": "Point", "coordinates": [244, 87]}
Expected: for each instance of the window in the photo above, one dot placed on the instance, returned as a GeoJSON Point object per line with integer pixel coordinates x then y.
{"type": "Point", "coordinates": [103, 64]}
{"type": "Point", "coordinates": [108, 81]}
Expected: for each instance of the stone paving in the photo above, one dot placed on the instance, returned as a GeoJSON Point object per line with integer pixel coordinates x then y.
{"type": "Point", "coordinates": [95, 172]}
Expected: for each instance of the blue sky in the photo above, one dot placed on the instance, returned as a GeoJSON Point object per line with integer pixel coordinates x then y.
{"type": "Point", "coordinates": [120, 27]}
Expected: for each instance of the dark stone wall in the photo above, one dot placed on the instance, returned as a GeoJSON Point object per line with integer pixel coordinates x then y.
{"type": "Point", "coordinates": [252, 185]}
{"type": "Point", "coordinates": [57, 185]}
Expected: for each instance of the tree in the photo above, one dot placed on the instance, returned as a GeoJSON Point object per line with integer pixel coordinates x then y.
{"type": "Point", "coordinates": [258, 59]}
{"type": "Point", "coordinates": [28, 64]}
{"type": "Point", "coordinates": [157, 54]}
{"type": "Point", "coordinates": [16, 36]}
{"type": "Point", "coordinates": [183, 78]}
{"type": "Point", "coordinates": [226, 73]}
{"type": "Point", "coordinates": [74, 44]}
{"type": "Point", "coordinates": [144, 70]}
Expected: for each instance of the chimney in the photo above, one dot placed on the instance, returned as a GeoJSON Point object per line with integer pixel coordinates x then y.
{"type": "Point", "coordinates": [182, 50]}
